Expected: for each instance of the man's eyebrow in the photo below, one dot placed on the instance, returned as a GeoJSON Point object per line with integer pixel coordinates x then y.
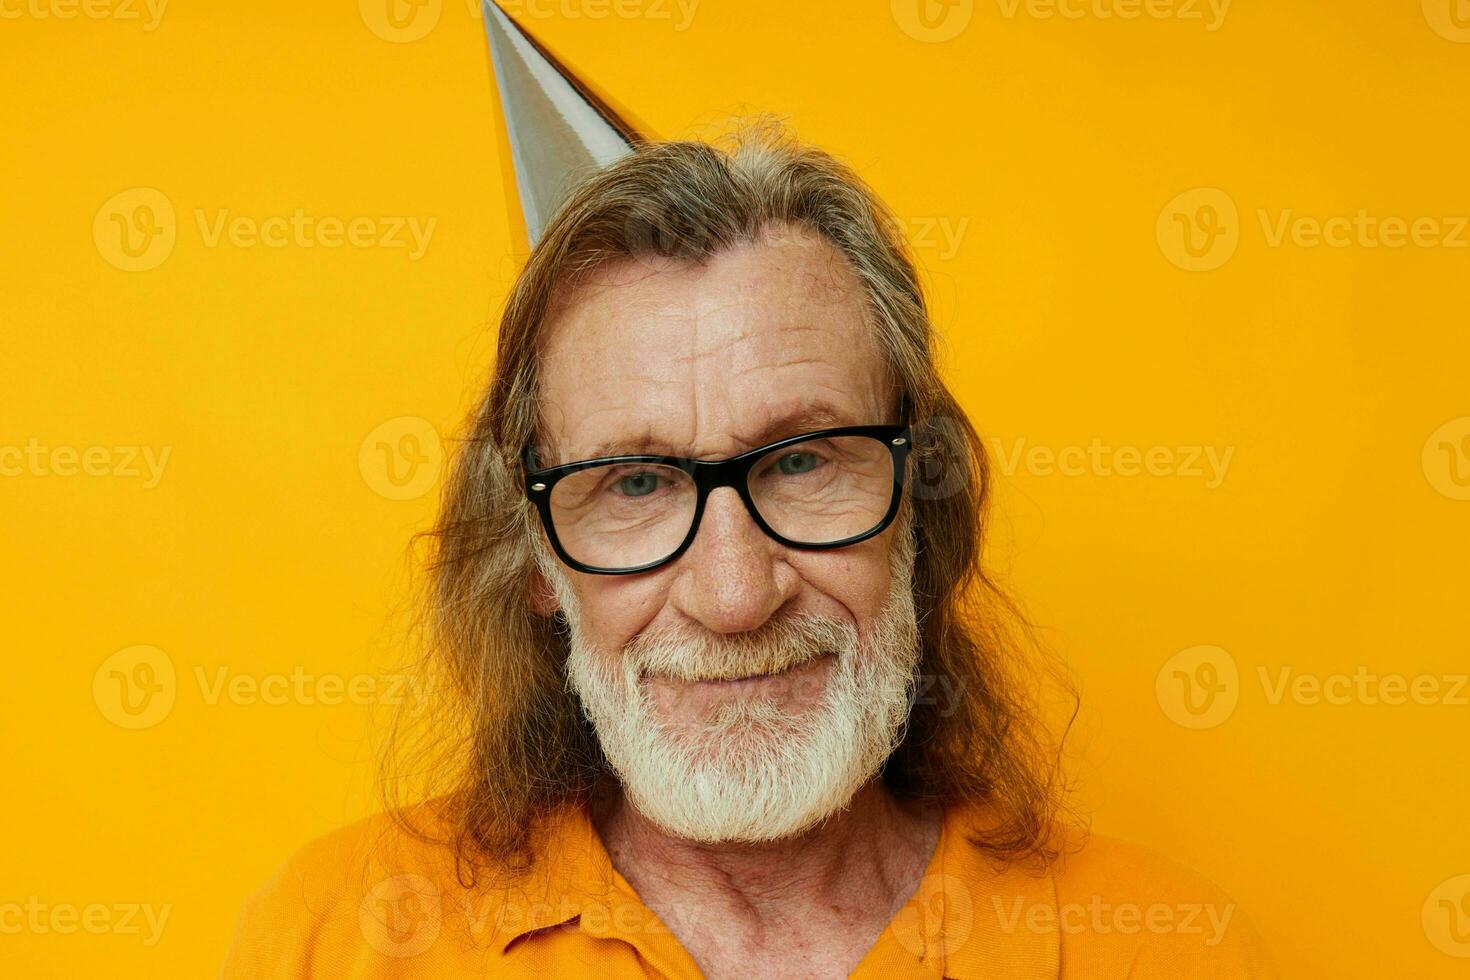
{"type": "Point", "coordinates": [808, 418]}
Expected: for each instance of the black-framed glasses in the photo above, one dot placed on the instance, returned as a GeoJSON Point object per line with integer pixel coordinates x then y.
{"type": "Point", "coordinates": [616, 515]}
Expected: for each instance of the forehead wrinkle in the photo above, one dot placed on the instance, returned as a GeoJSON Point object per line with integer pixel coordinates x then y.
{"type": "Point", "coordinates": [792, 362]}
{"type": "Point", "coordinates": [807, 414]}
{"type": "Point", "coordinates": [640, 439]}
{"type": "Point", "coordinates": [745, 310]}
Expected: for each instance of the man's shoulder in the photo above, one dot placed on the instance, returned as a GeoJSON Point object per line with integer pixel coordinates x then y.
{"type": "Point", "coordinates": [1122, 902]}
{"type": "Point", "coordinates": [1100, 907]}
{"type": "Point", "coordinates": [343, 863]}
{"type": "Point", "coordinates": [375, 883]}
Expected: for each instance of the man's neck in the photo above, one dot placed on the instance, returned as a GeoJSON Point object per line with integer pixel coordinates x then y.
{"type": "Point", "coordinates": [850, 873]}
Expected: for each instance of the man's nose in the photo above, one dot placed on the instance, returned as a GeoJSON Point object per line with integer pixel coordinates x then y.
{"type": "Point", "coordinates": [733, 577]}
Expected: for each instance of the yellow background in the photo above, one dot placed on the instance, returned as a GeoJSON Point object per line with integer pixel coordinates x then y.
{"type": "Point", "coordinates": [1048, 149]}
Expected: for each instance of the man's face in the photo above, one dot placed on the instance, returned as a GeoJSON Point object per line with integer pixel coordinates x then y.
{"type": "Point", "coordinates": [743, 668]}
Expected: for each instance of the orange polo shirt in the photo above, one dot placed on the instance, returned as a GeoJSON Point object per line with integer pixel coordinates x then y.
{"type": "Point", "coordinates": [368, 902]}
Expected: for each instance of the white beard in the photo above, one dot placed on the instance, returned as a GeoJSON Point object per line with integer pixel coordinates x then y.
{"type": "Point", "coordinates": [755, 771]}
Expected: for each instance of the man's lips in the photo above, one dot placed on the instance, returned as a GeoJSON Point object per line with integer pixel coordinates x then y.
{"type": "Point", "coordinates": [751, 682]}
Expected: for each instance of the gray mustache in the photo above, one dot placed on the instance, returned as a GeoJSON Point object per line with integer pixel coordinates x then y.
{"type": "Point", "coordinates": [790, 644]}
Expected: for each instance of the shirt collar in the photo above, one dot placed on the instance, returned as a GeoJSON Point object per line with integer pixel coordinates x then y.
{"type": "Point", "coordinates": [572, 871]}
{"type": "Point", "coordinates": [995, 922]}
{"type": "Point", "coordinates": [969, 918]}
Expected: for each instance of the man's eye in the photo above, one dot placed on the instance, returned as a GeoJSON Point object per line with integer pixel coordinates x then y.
{"type": "Point", "coordinates": [637, 484]}
{"type": "Point", "coordinates": [795, 464]}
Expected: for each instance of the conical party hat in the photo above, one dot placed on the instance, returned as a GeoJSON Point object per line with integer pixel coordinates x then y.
{"type": "Point", "coordinates": [556, 127]}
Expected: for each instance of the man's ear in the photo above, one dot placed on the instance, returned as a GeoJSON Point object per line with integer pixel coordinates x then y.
{"type": "Point", "coordinates": [543, 598]}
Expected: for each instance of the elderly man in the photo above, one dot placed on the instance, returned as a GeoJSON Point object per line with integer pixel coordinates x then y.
{"type": "Point", "coordinates": [726, 691]}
